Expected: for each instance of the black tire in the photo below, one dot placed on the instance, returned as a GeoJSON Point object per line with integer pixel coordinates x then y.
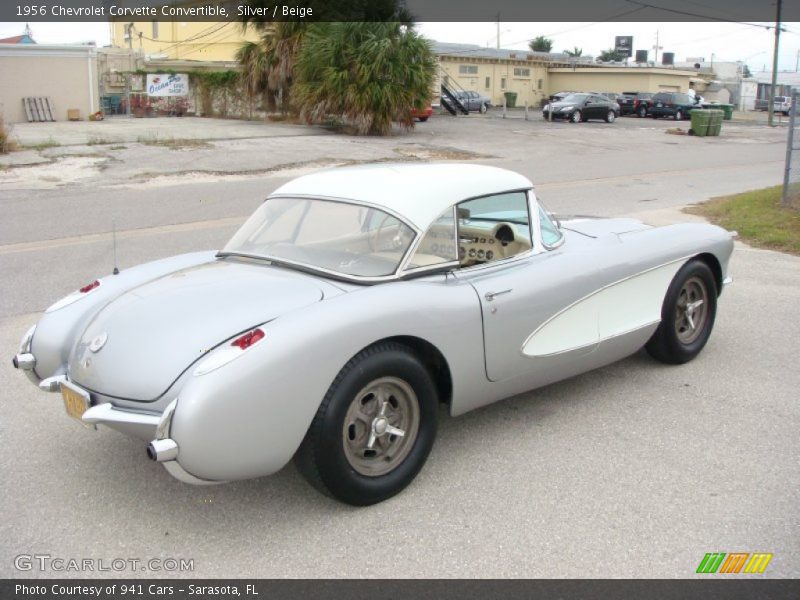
{"type": "Point", "coordinates": [423, 119]}
{"type": "Point", "coordinates": [484, 108]}
{"type": "Point", "coordinates": [672, 343]}
{"type": "Point", "coordinates": [642, 112]}
{"type": "Point", "coordinates": [576, 117]}
{"type": "Point", "coordinates": [611, 116]}
{"type": "Point", "coordinates": [679, 115]}
{"type": "Point", "coordinates": [322, 457]}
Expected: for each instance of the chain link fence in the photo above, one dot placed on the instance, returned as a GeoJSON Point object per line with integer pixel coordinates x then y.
{"type": "Point", "coordinates": [791, 176]}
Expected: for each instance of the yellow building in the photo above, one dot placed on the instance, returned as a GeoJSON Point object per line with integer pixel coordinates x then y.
{"type": "Point", "coordinates": [619, 79]}
{"type": "Point", "coordinates": [182, 40]}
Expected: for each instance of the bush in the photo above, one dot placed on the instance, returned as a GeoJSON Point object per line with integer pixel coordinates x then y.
{"type": "Point", "coordinates": [7, 143]}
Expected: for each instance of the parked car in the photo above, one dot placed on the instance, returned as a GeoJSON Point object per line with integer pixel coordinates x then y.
{"type": "Point", "coordinates": [782, 104]}
{"type": "Point", "coordinates": [634, 103]}
{"type": "Point", "coordinates": [610, 95]}
{"type": "Point", "coordinates": [349, 306]}
{"type": "Point", "coordinates": [671, 104]}
{"type": "Point", "coordinates": [473, 101]}
{"type": "Point", "coordinates": [559, 96]}
{"type": "Point", "coordinates": [582, 107]}
{"type": "Point", "coordinates": [422, 114]}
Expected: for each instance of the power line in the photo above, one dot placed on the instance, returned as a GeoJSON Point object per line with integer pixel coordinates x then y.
{"type": "Point", "coordinates": [698, 15]}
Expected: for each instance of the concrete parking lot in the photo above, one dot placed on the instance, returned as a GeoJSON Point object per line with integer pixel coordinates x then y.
{"type": "Point", "coordinates": [633, 470]}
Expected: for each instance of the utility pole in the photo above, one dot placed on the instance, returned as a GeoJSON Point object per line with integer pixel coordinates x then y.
{"type": "Point", "coordinates": [656, 48]}
{"type": "Point", "coordinates": [498, 31]}
{"type": "Point", "coordinates": [771, 109]}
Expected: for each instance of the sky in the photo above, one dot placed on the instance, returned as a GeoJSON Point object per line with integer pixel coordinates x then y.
{"type": "Point", "coordinates": [726, 41]}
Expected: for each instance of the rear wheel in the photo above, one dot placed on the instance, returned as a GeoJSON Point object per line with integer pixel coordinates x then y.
{"type": "Point", "coordinates": [679, 115]}
{"type": "Point", "coordinates": [642, 112]}
{"type": "Point", "coordinates": [374, 429]}
{"type": "Point", "coordinates": [484, 108]}
{"type": "Point", "coordinates": [687, 315]}
{"type": "Point", "coordinates": [423, 119]}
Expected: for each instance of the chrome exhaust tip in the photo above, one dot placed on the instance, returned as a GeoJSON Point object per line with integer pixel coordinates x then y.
{"type": "Point", "coordinates": [24, 362]}
{"type": "Point", "coordinates": [162, 450]}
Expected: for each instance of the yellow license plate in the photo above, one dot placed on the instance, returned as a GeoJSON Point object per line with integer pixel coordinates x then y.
{"type": "Point", "coordinates": [75, 401]}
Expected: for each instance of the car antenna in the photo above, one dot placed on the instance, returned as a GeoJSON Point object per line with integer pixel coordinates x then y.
{"type": "Point", "coordinates": [114, 240]}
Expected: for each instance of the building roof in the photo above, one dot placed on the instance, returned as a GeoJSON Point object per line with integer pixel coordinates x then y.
{"type": "Point", "coordinates": [419, 193]}
{"type": "Point", "coordinates": [18, 39]}
{"type": "Point", "coordinates": [475, 51]}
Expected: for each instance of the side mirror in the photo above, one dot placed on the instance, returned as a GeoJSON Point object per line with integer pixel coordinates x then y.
{"type": "Point", "coordinates": [462, 213]}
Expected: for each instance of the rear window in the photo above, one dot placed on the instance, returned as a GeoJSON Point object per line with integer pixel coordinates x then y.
{"type": "Point", "coordinates": [662, 97]}
{"type": "Point", "coordinates": [780, 98]}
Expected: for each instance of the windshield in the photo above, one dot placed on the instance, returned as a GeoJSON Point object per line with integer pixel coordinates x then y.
{"type": "Point", "coordinates": [577, 98]}
{"type": "Point", "coordinates": [339, 237]}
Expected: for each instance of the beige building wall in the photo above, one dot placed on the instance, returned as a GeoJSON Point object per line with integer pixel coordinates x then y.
{"type": "Point", "coordinates": [65, 74]}
{"type": "Point", "coordinates": [618, 79]}
{"type": "Point", "coordinates": [183, 40]}
{"type": "Point", "coordinates": [493, 77]}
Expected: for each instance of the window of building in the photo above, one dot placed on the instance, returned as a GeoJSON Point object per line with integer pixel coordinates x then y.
{"type": "Point", "coordinates": [520, 72]}
{"type": "Point", "coordinates": [488, 82]}
{"type": "Point", "coordinates": [502, 83]}
{"type": "Point", "coordinates": [155, 30]}
{"type": "Point", "coordinates": [538, 84]}
{"type": "Point", "coordinates": [468, 69]}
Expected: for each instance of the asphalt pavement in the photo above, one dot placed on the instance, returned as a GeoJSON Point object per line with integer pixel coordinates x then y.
{"type": "Point", "coordinates": [634, 470]}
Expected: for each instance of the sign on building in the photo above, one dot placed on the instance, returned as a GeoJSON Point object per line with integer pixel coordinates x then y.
{"type": "Point", "coordinates": [167, 84]}
{"type": "Point", "coordinates": [624, 44]}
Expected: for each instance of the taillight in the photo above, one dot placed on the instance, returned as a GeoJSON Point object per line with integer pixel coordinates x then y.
{"type": "Point", "coordinates": [248, 339]}
{"type": "Point", "coordinates": [89, 287]}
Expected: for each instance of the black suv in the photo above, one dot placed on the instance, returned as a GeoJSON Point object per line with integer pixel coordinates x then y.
{"type": "Point", "coordinates": [671, 104]}
{"type": "Point", "coordinates": [634, 103]}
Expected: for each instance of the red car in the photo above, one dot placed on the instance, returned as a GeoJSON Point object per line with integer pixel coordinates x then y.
{"type": "Point", "coordinates": [422, 114]}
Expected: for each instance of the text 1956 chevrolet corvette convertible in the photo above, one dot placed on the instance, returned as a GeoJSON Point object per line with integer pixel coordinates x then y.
{"type": "Point", "coordinates": [353, 302]}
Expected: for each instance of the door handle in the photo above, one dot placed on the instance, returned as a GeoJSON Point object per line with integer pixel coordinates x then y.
{"type": "Point", "coordinates": [491, 295]}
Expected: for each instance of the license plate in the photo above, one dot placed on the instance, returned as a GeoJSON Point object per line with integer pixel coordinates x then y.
{"type": "Point", "coordinates": [76, 401]}
{"type": "Point", "coordinates": [659, 104]}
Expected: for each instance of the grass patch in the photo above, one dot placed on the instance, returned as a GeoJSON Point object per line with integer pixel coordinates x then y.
{"type": "Point", "coordinates": [97, 141]}
{"type": "Point", "coordinates": [118, 148]}
{"type": "Point", "coordinates": [757, 216]}
{"type": "Point", "coordinates": [49, 143]}
{"type": "Point", "coordinates": [173, 144]}
{"type": "Point", "coordinates": [7, 143]}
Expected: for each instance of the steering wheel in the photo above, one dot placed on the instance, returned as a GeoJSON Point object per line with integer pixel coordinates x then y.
{"type": "Point", "coordinates": [376, 234]}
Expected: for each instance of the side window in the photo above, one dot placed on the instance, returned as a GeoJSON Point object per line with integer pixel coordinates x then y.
{"type": "Point", "coordinates": [493, 228]}
{"type": "Point", "coordinates": [438, 245]}
{"type": "Point", "coordinates": [551, 235]}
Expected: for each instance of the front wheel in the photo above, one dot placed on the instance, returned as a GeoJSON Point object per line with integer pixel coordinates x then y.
{"type": "Point", "coordinates": [374, 429]}
{"type": "Point", "coordinates": [642, 112]}
{"type": "Point", "coordinates": [687, 315]}
{"type": "Point", "coordinates": [423, 119]}
{"type": "Point", "coordinates": [576, 117]}
{"type": "Point", "coordinates": [611, 116]}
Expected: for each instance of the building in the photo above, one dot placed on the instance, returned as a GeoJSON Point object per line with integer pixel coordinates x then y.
{"type": "Point", "coordinates": [534, 76]}
{"type": "Point", "coordinates": [167, 40]}
{"type": "Point", "coordinates": [65, 74]}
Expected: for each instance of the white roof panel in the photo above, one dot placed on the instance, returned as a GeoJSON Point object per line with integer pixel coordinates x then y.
{"type": "Point", "coordinates": [417, 192]}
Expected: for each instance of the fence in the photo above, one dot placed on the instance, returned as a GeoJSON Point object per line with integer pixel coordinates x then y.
{"type": "Point", "coordinates": [791, 176]}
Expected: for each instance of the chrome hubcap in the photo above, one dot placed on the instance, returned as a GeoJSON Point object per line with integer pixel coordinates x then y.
{"type": "Point", "coordinates": [380, 426]}
{"type": "Point", "coordinates": [690, 310]}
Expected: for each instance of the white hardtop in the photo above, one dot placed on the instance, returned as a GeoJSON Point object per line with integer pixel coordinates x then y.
{"type": "Point", "coordinates": [419, 193]}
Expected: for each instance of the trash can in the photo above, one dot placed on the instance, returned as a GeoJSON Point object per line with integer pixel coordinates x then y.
{"type": "Point", "coordinates": [511, 99]}
{"type": "Point", "coordinates": [700, 121]}
{"type": "Point", "coordinates": [728, 110]}
{"type": "Point", "coordinates": [715, 122]}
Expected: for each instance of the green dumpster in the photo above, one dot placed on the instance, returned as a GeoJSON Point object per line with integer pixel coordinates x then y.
{"type": "Point", "coordinates": [511, 99]}
{"type": "Point", "coordinates": [700, 121]}
{"type": "Point", "coordinates": [715, 123]}
{"type": "Point", "coordinates": [728, 110]}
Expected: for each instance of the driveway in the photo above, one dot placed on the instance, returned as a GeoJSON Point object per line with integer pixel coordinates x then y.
{"type": "Point", "coordinates": [633, 470]}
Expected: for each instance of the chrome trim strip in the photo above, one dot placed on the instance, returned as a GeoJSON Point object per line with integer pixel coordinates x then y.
{"type": "Point", "coordinates": [178, 472]}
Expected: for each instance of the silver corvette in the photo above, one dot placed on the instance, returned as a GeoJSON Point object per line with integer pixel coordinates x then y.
{"type": "Point", "coordinates": [350, 305]}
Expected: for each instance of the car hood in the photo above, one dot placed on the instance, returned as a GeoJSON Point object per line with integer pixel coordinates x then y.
{"type": "Point", "coordinates": [597, 226]}
{"type": "Point", "coordinates": [155, 331]}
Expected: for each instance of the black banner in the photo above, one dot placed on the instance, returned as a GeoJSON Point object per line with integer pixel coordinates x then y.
{"type": "Point", "coordinates": [733, 588]}
{"type": "Point", "coordinates": [381, 10]}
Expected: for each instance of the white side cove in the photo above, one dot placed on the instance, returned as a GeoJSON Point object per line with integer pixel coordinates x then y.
{"type": "Point", "coordinates": [618, 308]}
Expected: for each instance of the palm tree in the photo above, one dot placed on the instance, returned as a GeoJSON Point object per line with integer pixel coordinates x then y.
{"type": "Point", "coordinates": [611, 55]}
{"type": "Point", "coordinates": [268, 65]}
{"type": "Point", "coordinates": [575, 52]}
{"type": "Point", "coordinates": [368, 73]}
{"type": "Point", "coordinates": [541, 44]}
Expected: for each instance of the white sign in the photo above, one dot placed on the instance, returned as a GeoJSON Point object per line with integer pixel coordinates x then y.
{"type": "Point", "coordinates": [167, 85]}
